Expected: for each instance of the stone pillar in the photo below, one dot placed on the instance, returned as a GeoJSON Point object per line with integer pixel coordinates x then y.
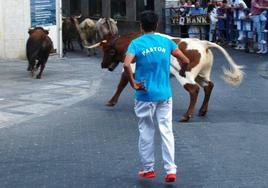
{"type": "Point", "coordinates": [14, 24]}
{"type": "Point", "coordinates": [131, 10]}
{"type": "Point", "coordinates": [85, 8]}
{"type": "Point", "coordinates": [106, 8]}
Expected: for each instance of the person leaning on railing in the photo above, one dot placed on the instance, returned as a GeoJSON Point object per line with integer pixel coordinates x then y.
{"type": "Point", "coordinates": [221, 15]}
{"type": "Point", "coordinates": [257, 17]}
{"type": "Point", "coordinates": [263, 18]}
{"type": "Point", "coordinates": [196, 31]}
{"type": "Point", "coordinates": [213, 18]}
{"type": "Point", "coordinates": [238, 7]}
{"type": "Point", "coordinates": [247, 31]}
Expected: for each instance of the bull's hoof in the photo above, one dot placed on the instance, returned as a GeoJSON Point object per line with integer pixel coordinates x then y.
{"type": "Point", "coordinates": [202, 113]}
{"type": "Point", "coordinates": [185, 118]}
{"type": "Point", "coordinates": [110, 103]}
{"type": "Point", "coordinates": [38, 77]}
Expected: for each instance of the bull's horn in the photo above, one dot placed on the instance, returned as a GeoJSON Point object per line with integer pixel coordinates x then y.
{"type": "Point", "coordinates": [63, 17]}
{"type": "Point", "coordinates": [77, 17]}
{"type": "Point", "coordinates": [93, 46]}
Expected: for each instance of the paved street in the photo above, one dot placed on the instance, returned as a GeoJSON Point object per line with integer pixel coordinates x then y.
{"type": "Point", "coordinates": [56, 132]}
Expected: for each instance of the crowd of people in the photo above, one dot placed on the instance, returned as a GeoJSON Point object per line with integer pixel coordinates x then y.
{"type": "Point", "coordinates": [231, 22]}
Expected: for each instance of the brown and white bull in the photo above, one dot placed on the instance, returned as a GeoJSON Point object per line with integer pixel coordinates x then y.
{"type": "Point", "coordinates": [38, 47]}
{"type": "Point", "coordinates": [197, 73]}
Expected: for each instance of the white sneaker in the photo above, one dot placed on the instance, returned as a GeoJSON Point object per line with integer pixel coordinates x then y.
{"type": "Point", "coordinates": [237, 47]}
{"type": "Point", "coordinates": [264, 51]}
{"type": "Point", "coordinates": [259, 52]}
{"type": "Point", "coordinates": [263, 41]}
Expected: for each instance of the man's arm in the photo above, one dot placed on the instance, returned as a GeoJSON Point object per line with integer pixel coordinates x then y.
{"type": "Point", "coordinates": [127, 68]}
{"type": "Point", "coordinates": [183, 59]}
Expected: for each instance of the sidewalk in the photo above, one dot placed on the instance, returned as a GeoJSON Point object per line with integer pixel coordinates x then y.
{"type": "Point", "coordinates": [64, 82]}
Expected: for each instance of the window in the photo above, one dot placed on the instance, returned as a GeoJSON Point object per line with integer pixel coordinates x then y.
{"type": "Point", "coordinates": [95, 8]}
{"type": "Point", "coordinates": [118, 9]}
{"type": "Point", "coordinates": [143, 5]}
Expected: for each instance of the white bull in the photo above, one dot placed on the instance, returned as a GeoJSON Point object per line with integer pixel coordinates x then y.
{"type": "Point", "coordinates": [87, 32]}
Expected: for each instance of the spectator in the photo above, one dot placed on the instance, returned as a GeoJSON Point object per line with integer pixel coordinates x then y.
{"type": "Point", "coordinates": [230, 24]}
{"type": "Point", "coordinates": [221, 13]}
{"type": "Point", "coordinates": [183, 3]}
{"type": "Point", "coordinates": [255, 14]}
{"type": "Point", "coordinates": [247, 32]}
{"type": "Point", "coordinates": [196, 31]}
{"type": "Point", "coordinates": [263, 19]}
{"type": "Point", "coordinates": [189, 3]}
{"type": "Point", "coordinates": [239, 10]}
{"type": "Point", "coordinates": [212, 12]}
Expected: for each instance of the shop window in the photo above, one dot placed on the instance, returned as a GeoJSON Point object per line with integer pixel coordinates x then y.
{"type": "Point", "coordinates": [118, 9]}
{"type": "Point", "coordinates": [95, 8]}
{"type": "Point", "coordinates": [143, 5]}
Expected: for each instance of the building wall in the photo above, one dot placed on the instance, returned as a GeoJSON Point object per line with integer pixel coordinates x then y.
{"type": "Point", "coordinates": [14, 24]}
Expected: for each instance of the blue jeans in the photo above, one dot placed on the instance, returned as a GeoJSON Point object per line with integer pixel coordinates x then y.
{"type": "Point", "coordinates": [258, 26]}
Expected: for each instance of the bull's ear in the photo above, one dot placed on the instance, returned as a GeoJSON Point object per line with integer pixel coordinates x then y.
{"type": "Point", "coordinates": [46, 31]}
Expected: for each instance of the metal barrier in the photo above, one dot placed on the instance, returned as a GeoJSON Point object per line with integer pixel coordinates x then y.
{"type": "Point", "coordinates": [177, 22]}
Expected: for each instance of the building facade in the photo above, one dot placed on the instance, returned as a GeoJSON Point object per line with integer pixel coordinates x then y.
{"type": "Point", "coordinates": [125, 10]}
{"type": "Point", "coordinates": [16, 17]}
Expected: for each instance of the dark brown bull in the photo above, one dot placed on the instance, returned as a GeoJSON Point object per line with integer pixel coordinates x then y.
{"type": "Point", "coordinates": [70, 33]}
{"type": "Point", "coordinates": [197, 73]}
{"type": "Point", "coordinates": [38, 47]}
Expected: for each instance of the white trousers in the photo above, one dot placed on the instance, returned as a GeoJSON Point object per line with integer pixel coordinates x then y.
{"type": "Point", "coordinates": [153, 114]}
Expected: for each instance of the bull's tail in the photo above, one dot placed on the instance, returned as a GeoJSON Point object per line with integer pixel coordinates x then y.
{"type": "Point", "coordinates": [234, 75]}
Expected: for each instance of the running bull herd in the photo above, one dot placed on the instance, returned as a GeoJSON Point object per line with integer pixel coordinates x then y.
{"type": "Point", "coordinates": [114, 46]}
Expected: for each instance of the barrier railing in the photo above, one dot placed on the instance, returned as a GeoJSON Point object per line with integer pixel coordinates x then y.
{"type": "Point", "coordinates": [177, 22]}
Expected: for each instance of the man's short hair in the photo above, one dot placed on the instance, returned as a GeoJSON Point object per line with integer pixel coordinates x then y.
{"type": "Point", "coordinates": [149, 20]}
